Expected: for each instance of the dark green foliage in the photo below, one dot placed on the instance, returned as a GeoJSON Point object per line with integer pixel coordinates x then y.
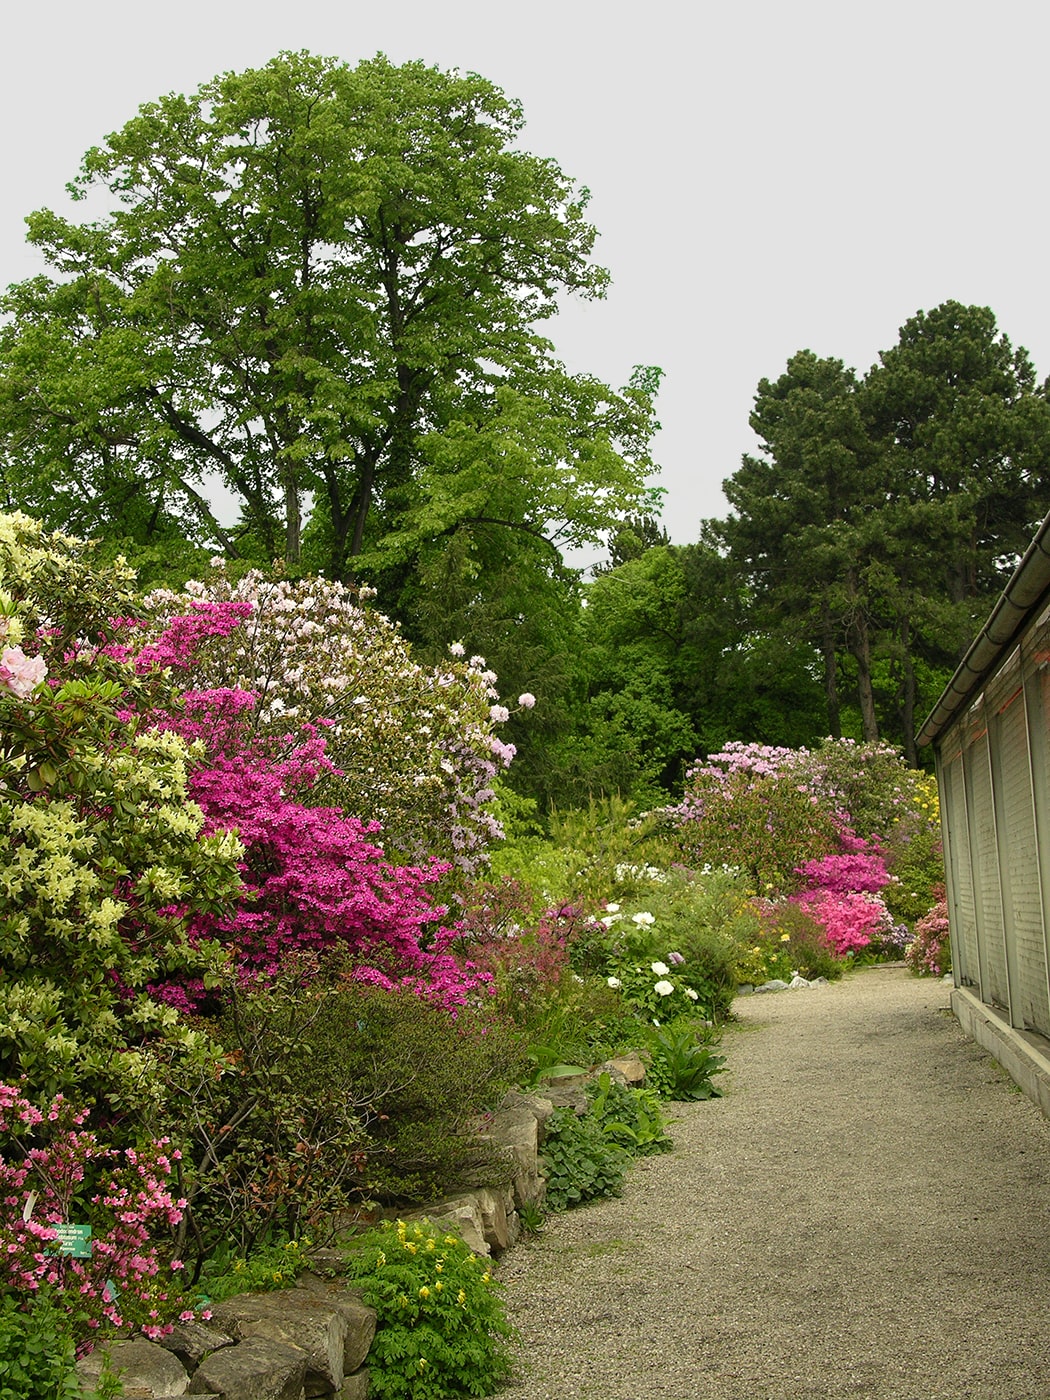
{"type": "Point", "coordinates": [332, 1093]}
{"type": "Point", "coordinates": [580, 1160]}
{"type": "Point", "coordinates": [37, 1360]}
{"type": "Point", "coordinates": [683, 1062]}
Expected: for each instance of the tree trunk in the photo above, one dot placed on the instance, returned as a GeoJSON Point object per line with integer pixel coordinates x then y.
{"type": "Point", "coordinates": [831, 685]}
{"type": "Point", "coordinates": [293, 519]}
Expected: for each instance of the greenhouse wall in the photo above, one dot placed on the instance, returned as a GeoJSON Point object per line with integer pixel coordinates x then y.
{"type": "Point", "coordinates": [992, 746]}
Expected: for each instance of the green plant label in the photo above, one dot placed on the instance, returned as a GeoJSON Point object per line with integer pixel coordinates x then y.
{"type": "Point", "coordinates": [74, 1240]}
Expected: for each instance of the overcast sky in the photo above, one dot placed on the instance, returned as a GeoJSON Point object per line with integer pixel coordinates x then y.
{"type": "Point", "coordinates": [767, 175]}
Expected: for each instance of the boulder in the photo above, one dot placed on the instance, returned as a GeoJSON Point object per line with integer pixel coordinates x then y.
{"type": "Point", "coordinates": [629, 1068]}
{"type": "Point", "coordinates": [466, 1212]}
{"type": "Point", "coordinates": [191, 1342]}
{"type": "Point", "coordinates": [147, 1371]}
{"type": "Point", "coordinates": [295, 1317]}
{"type": "Point", "coordinates": [258, 1369]}
{"type": "Point", "coordinates": [355, 1387]}
{"type": "Point", "coordinates": [360, 1319]}
{"type": "Point", "coordinates": [496, 1207]}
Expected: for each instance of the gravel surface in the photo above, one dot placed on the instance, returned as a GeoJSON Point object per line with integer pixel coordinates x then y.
{"type": "Point", "coordinates": [866, 1213]}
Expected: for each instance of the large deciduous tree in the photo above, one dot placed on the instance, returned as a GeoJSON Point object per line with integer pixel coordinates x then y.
{"type": "Point", "coordinates": [321, 286]}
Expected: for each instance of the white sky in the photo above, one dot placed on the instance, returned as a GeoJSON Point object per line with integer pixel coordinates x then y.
{"type": "Point", "coordinates": [767, 175]}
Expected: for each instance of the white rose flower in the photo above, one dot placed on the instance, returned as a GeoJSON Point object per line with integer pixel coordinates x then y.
{"type": "Point", "coordinates": [644, 919]}
{"type": "Point", "coordinates": [661, 969]}
{"type": "Point", "coordinates": [693, 996]}
{"type": "Point", "coordinates": [663, 989]}
{"type": "Point", "coordinates": [613, 982]}
{"type": "Point", "coordinates": [612, 908]}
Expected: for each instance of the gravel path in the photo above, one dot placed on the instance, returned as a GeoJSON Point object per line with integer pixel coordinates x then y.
{"type": "Point", "coordinates": [866, 1213]}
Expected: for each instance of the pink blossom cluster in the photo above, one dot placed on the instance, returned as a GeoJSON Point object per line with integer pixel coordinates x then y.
{"type": "Point", "coordinates": [930, 949]}
{"type": "Point", "coordinates": [20, 674]}
{"type": "Point", "coordinates": [52, 1173]}
{"type": "Point", "coordinates": [860, 871]}
{"type": "Point", "coordinates": [850, 920]}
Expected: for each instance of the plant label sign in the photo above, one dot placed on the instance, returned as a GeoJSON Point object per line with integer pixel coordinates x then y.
{"type": "Point", "coordinates": [74, 1240]}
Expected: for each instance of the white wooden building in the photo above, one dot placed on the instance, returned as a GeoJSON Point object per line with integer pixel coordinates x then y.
{"type": "Point", "coordinates": [991, 736]}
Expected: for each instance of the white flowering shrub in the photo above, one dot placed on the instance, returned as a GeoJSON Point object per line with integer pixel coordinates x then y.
{"type": "Point", "coordinates": [416, 746]}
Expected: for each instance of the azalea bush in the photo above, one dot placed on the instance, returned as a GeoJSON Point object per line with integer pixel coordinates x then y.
{"type": "Point", "coordinates": [53, 1171]}
{"type": "Point", "coordinates": [930, 951]}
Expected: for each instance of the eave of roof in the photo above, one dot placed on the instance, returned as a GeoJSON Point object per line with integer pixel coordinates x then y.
{"type": "Point", "coordinates": [1027, 592]}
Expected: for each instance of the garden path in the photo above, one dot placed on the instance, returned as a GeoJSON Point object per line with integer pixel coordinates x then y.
{"type": "Point", "coordinates": [865, 1214]}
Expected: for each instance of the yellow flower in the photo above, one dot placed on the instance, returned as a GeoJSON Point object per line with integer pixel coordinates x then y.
{"type": "Point", "coordinates": [486, 1277]}
{"type": "Point", "coordinates": [438, 1286]}
{"type": "Point", "coordinates": [439, 1266]}
{"type": "Point", "coordinates": [451, 1239]}
{"type": "Point", "coordinates": [424, 1292]}
{"type": "Point", "coordinates": [785, 937]}
{"type": "Point", "coordinates": [402, 1300]}
{"type": "Point", "coordinates": [380, 1259]}
{"type": "Point", "coordinates": [411, 1246]}
{"type": "Point", "coordinates": [430, 1246]}
{"type": "Point", "coordinates": [461, 1298]}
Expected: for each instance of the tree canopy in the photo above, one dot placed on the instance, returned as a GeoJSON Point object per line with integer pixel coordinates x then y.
{"type": "Point", "coordinates": [321, 286]}
{"type": "Point", "coordinates": [884, 514]}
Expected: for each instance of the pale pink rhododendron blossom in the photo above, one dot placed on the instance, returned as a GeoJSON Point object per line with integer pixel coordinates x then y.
{"type": "Point", "coordinates": [21, 674]}
{"type": "Point", "coordinates": [527, 701]}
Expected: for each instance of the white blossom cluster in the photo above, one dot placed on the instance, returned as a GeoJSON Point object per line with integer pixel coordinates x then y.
{"type": "Point", "coordinates": [415, 745]}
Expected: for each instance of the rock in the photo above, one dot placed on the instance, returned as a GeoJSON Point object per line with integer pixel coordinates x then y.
{"type": "Point", "coordinates": [355, 1387]}
{"type": "Point", "coordinates": [146, 1370]}
{"type": "Point", "coordinates": [191, 1342]}
{"type": "Point", "coordinates": [516, 1132]}
{"type": "Point", "coordinates": [466, 1212]}
{"type": "Point", "coordinates": [745, 989]}
{"type": "Point", "coordinates": [630, 1067]}
{"type": "Point", "coordinates": [798, 981]}
{"type": "Point", "coordinates": [295, 1317]}
{"type": "Point", "coordinates": [494, 1207]}
{"type": "Point", "coordinates": [258, 1369]}
{"type": "Point", "coordinates": [774, 985]}
{"type": "Point", "coordinates": [360, 1319]}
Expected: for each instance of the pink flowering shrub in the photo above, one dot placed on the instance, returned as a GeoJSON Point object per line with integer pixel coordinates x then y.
{"type": "Point", "coordinates": [930, 951]}
{"type": "Point", "coordinates": [851, 920]}
{"type": "Point", "coordinates": [313, 879]}
{"type": "Point", "coordinates": [746, 809]}
{"type": "Point", "coordinates": [54, 1172]}
{"type": "Point", "coordinates": [858, 872]}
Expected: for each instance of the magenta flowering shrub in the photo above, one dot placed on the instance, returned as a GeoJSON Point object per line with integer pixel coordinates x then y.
{"type": "Point", "coordinates": [54, 1172]}
{"type": "Point", "coordinates": [857, 872]}
{"type": "Point", "coordinates": [313, 879]}
{"type": "Point", "coordinates": [412, 747]}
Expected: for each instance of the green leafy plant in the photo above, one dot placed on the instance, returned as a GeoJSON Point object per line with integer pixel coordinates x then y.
{"type": "Point", "coordinates": [266, 1269]}
{"type": "Point", "coordinates": [37, 1354]}
{"type": "Point", "coordinates": [682, 1063]}
{"type": "Point", "coordinates": [442, 1329]}
{"type": "Point", "coordinates": [631, 1118]}
{"type": "Point", "coordinates": [581, 1161]}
